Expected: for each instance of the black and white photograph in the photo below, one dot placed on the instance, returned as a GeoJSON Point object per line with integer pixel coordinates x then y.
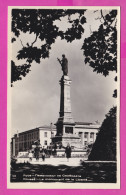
{"type": "Point", "coordinates": [63, 97]}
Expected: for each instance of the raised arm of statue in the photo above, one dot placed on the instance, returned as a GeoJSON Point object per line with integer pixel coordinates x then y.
{"type": "Point", "coordinates": [59, 60]}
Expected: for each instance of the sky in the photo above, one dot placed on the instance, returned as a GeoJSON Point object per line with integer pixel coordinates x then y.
{"type": "Point", "coordinates": [35, 100]}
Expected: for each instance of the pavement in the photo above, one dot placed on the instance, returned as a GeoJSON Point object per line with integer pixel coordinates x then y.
{"type": "Point", "coordinates": [53, 161]}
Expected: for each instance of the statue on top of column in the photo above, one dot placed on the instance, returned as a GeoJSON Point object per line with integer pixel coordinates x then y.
{"type": "Point", "coordinates": [64, 64]}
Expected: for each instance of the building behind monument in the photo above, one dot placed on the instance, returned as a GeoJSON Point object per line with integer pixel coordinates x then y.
{"type": "Point", "coordinates": [24, 141]}
{"type": "Point", "coordinates": [66, 131]}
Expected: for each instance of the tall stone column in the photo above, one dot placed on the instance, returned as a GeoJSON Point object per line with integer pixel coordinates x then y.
{"type": "Point", "coordinates": [65, 125]}
{"type": "Point", "coordinates": [65, 116]}
{"type": "Point", "coordinates": [88, 138]}
{"type": "Point", "coordinates": [65, 103]}
{"type": "Point", "coordinates": [82, 138]}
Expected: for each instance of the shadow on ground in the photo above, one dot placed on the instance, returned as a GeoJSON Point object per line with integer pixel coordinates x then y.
{"type": "Point", "coordinates": [89, 172]}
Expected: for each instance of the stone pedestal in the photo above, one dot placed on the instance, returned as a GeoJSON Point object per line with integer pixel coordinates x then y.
{"type": "Point", "coordinates": [65, 124]}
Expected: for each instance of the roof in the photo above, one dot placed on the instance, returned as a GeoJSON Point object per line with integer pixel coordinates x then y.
{"type": "Point", "coordinates": [48, 127]}
{"type": "Point", "coordinates": [83, 123]}
{"type": "Point", "coordinates": [45, 127]}
{"type": "Point", "coordinates": [87, 123]}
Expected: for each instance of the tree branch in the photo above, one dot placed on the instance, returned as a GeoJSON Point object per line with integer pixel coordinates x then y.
{"type": "Point", "coordinates": [96, 11]}
{"type": "Point", "coordinates": [105, 19]}
{"type": "Point", "coordinates": [99, 18]}
{"type": "Point", "coordinates": [21, 43]}
{"type": "Point", "coordinates": [90, 30]}
{"type": "Point", "coordinates": [34, 40]}
{"type": "Point", "coordinates": [102, 15]}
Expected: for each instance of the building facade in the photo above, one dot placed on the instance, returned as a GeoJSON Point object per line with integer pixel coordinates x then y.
{"type": "Point", "coordinates": [23, 141]}
{"type": "Point", "coordinates": [87, 132]}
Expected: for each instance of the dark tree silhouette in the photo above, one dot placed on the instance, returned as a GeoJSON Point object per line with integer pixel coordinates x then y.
{"type": "Point", "coordinates": [41, 23]}
{"type": "Point", "coordinates": [100, 49]}
{"type": "Point", "coordinates": [18, 71]}
{"type": "Point", "coordinates": [104, 147]}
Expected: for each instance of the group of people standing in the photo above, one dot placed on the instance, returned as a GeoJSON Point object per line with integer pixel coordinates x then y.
{"type": "Point", "coordinates": [43, 152]}
{"type": "Point", "coordinates": [36, 153]}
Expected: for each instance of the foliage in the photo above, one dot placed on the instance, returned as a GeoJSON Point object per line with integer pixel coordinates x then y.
{"type": "Point", "coordinates": [104, 147]}
{"type": "Point", "coordinates": [18, 71]}
{"type": "Point", "coordinates": [100, 49]}
{"type": "Point", "coordinates": [41, 23]}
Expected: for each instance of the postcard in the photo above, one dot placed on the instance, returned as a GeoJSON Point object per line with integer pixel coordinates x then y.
{"type": "Point", "coordinates": [63, 97]}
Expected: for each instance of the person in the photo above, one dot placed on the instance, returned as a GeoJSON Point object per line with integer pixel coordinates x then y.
{"type": "Point", "coordinates": [60, 145]}
{"type": "Point", "coordinates": [37, 152]}
{"type": "Point", "coordinates": [30, 155]}
{"type": "Point", "coordinates": [55, 149]}
{"type": "Point", "coordinates": [43, 151]}
{"type": "Point", "coordinates": [68, 152]}
{"type": "Point", "coordinates": [64, 64]}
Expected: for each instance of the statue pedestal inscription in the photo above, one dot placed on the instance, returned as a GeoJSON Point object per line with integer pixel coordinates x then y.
{"type": "Point", "coordinates": [65, 124]}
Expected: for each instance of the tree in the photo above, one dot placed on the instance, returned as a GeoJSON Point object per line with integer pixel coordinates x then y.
{"type": "Point", "coordinates": [104, 147]}
{"type": "Point", "coordinates": [100, 48]}
{"type": "Point", "coordinates": [18, 71]}
{"type": "Point", "coordinates": [41, 23]}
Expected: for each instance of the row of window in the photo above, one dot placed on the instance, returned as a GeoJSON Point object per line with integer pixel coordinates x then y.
{"type": "Point", "coordinates": [34, 135]}
{"type": "Point", "coordinates": [86, 134]}
{"type": "Point", "coordinates": [46, 134]}
{"type": "Point", "coordinates": [26, 145]}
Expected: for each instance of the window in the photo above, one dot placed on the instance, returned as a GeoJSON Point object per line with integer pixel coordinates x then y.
{"type": "Point", "coordinates": [85, 135]}
{"type": "Point", "coordinates": [92, 135]}
{"type": "Point", "coordinates": [25, 137]}
{"type": "Point", "coordinates": [52, 134]}
{"type": "Point", "coordinates": [79, 134]}
{"type": "Point", "coordinates": [45, 142]}
{"type": "Point", "coordinates": [69, 130]}
{"type": "Point", "coordinates": [45, 134]}
{"type": "Point", "coordinates": [37, 135]}
{"type": "Point", "coordinates": [85, 143]}
{"type": "Point", "coordinates": [33, 135]}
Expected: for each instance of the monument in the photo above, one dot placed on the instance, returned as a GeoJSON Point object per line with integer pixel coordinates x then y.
{"type": "Point", "coordinates": [65, 125]}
